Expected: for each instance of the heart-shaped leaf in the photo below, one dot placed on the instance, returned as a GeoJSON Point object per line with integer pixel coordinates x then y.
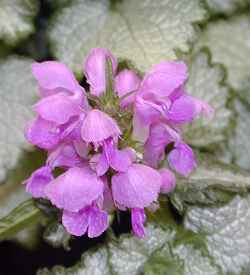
{"type": "Point", "coordinates": [145, 33]}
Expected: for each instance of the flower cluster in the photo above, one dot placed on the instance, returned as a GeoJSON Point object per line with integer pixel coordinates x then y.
{"type": "Point", "coordinates": [110, 140]}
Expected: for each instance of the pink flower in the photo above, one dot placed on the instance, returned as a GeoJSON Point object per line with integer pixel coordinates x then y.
{"type": "Point", "coordinates": [127, 82]}
{"type": "Point", "coordinates": [68, 154]}
{"type": "Point", "coordinates": [138, 218]}
{"type": "Point", "coordinates": [77, 188]}
{"type": "Point", "coordinates": [90, 219]}
{"type": "Point", "coordinates": [182, 159]}
{"type": "Point", "coordinates": [106, 167]}
{"type": "Point", "coordinates": [95, 69]}
{"type": "Point", "coordinates": [63, 103]}
{"type": "Point", "coordinates": [98, 127]}
{"type": "Point", "coordinates": [136, 188]}
{"type": "Point", "coordinates": [168, 181]}
{"type": "Point", "coordinates": [160, 136]}
{"type": "Point", "coordinates": [38, 180]}
{"type": "Point", "coordinates": [161, 97]}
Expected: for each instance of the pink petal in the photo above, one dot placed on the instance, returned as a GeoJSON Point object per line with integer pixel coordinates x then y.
{"type": "Point", "coordinates": [202, 108]}
{"type": "Point", "coordinates": [99, 164]}
{"type": "Point", "coordinates": [98, 222]}
{"type": "Point", "coordinates": [43, 133]}
{"type": "Point", "coordinates": [182, 159]}
{"type": "Point", "coordinates": [131, 153]}
{"type": "Point", "coordinates": [136, 188]}
{"type": "Point", "coordinates": [65, 155]}
{"type": "Point", "coordinates": [76, 223]}
{"type": "Point", "coordinates": [36, 183]}
{"type": "Point", "coordinates": [98, 126]}
{"type": "Point", "coordinates": [127, 81]}
{"type": "Point", "coordinates": [160, 136]}
{"type": "Point", "coordinates": [52, 75]}
{"type": "Point", "coordinates": [148, 111]}
{"type": "Point", "coordinates": [75, 189]}
{"type": "Point", "coordinates": [95, 69]}
{"type": "Point", "coordinates": [119, 160]}
{"type": "Point", "coordinates": [81, 148]}
{"type": "Point", "coordinates": [58, 108]}
{"type": "Point", "coordinates": [168, 181]}
{"type": "Point", "coordinates": [140, 128]}
{"type": "Point", "coordinates": [138, 218]}
{"type": "Point", "coordinates": [108, 203]}
{"type": "Point", "coordinates": [183, 110]}
{"type": "Point", "coordinates": [164, 78]}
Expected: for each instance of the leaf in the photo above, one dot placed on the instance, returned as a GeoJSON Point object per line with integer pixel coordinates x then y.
{"type": "Point", "coordinates": [239, 143]}
{"type": "Point", "coordinates": [161, 259]}
{"type": "Point", "coordinates": [226, 230]}
{"type": "Point", "coordinates": [211, 183]}
{"type": "Point", "coordinates": [56, 235]}
{"type": "Point", "coordinates": [228, 41]}
{"type": "Point", "coordinates": [145, 33]}
{"type": "Point", "coordinates": [12, 193]}
{"type": "Point", "coordinates": [17, 94]}
{"type": "Point", "coordinates": [205, 82]}
{"type": "Point", "coordinates": [226, 6]}
{"type": "Point", "coordinates": [154, 254]}
{"type": "Point", "coordinates": [16, 19]}
{"type": "Point", "coordinates": [92, 263]}
{"type": "Point", "coordinates": [23, 215]}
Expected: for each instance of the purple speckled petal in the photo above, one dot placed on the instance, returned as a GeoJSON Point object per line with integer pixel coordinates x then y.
{"type": "Point", "coordinates": [53, 76]}
{"type": "Point", "coordinates": [160, 136]}
{"type": "Point", "coordinates": [95, 69]}
{"type": "Point", "coordinates": [75, 189]}
{"type": "Point", "coordinates": [127, 81]}
{"type": "Point", "coordinates": [168, 180]}
{"type": "Point", "coordinates": [138, 218]}
{"type": "Point", "coordinates": [36, 183]}
{"type": "Point", "coordinates": [76, 223]}
{"type": "Point", "coordinates": [43, 133]}
{"type": "Point", "coordinates": [98, 126]}
{"type": "Point", "coordinates": [137, 187]}
{"type": "Point", "coordinates": [164, 78]}
{"type": "Point", "coordinates": [98, 222]}
{"type": "Point", "coordinates": [182, 159]}
{"type": "Point", "coordinates": [58, 108]}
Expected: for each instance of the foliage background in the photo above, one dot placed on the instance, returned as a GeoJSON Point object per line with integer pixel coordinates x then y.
{"type": "Point", "coordinates": [204, 226]}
